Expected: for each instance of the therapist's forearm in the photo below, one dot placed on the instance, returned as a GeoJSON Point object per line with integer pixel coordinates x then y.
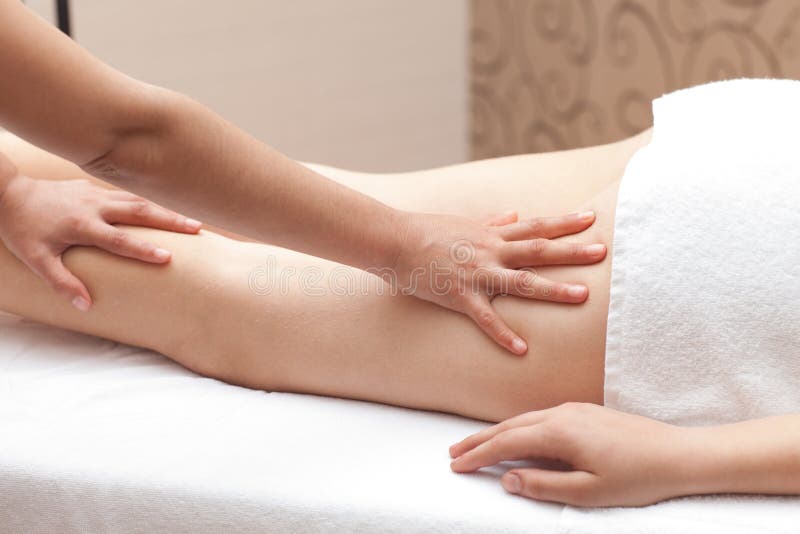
{"type": "Point", "coordinates": [187, 156]}
{"type": "Point", "coordinates": [758, 456]}
{"type": "Point", "coordinates": [173, 150]}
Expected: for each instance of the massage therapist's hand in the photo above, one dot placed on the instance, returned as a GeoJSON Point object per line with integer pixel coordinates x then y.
{"type": "Point", "coordinates": [617, 459]}
{"type": "Point", "coordinates": [461, 264]}
{"type": "Point", "coordinates": [40, 219]}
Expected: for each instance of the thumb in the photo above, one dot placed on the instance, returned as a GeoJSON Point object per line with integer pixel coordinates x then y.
{"type": "Point", "coordinates": [55, 273]}
{"type": "Point", "coordinates": [569, 487]}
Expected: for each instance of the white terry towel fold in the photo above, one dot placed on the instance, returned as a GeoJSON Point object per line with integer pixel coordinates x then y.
{"type": "Point", "coordinates": [704, 318]}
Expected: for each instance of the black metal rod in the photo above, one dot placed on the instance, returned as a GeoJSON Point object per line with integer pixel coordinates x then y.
{"type": "Point", "coordinates": [62, 8]}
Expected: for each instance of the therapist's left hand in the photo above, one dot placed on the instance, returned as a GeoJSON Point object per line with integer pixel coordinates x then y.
{"type": "Point", "coordinates": [40, 219]}
{"type": "Point", "coordinates": [616, 459]}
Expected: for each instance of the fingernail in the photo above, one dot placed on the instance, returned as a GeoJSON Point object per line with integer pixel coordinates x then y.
{"type": "Point", "coordinates": [512, 483]}
{"type": "Point", "coordinates": [191, 223]}
{"type": "Point", "coordinates": [519, 346]}
{"type": "Point", "coordinates": [576, 291]}
{"type": "Point", "coordinates": [586, 215]}
{"type": "Point", "coordinates": [595, 250]}
{"type": "Point", "coordinates": [162, 254]}
{"type": "Point", "coordinates": [81, 303]}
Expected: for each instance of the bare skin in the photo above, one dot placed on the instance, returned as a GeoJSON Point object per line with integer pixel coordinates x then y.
{"type": "Point", "coordinates": [162, 145]}
{"type": "Point", "coordinates": [201, 311]}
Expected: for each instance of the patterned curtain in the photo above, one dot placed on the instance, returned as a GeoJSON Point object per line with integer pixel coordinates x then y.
{"type": "Point", "coordinates": [556, 74]}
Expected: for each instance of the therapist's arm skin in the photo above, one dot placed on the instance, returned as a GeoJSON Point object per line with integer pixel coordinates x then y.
{"type": "Point", "coordinates": [166, 147]}
{"type": "Point", "coordinates": [619, 459]}
{"type": "Point", "coordinates": [40, 220]}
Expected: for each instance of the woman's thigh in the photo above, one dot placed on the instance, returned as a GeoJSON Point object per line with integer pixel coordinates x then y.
{"type": "Point", "coordinates": [268, 318]}
{"type": "Point", "coordinates": [327, 329]}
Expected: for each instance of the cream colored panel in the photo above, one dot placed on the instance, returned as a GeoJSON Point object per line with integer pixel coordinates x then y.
{"type": "Point", "coordinates": [363, 84]}
{"type": "Point", "coordinates": [44, 8]}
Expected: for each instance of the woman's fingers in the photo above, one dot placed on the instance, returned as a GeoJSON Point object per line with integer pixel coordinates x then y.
{"type": "Point", "coordinates": [569, 487]}
{"type": "Point", "coordinates": [542, 251]}
{"type": "Point", "coordinates": [528, 284]}
{"type": "Point", "coordinates": [140, 212]}
{"type": "Point", "coordinates": [57, 276]}
{"type": "Point", "coordinates": [514, 444]}
{"type": "Point", "coordinates": [470, 442]}
{"type": "Point", "coordinates": [121, 243]}
{"type": "Point", "coordinates": [487, 318]}
{"type": "Point", "coordinates": [547, 227]}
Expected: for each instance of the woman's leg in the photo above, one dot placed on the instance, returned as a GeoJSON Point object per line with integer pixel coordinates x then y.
{"type": "Point", "coordinates": [268, 318]}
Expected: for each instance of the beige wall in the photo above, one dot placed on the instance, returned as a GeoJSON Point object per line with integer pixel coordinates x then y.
{"type": "Point", "coordinates": [552, 74]}
{"type": "Point", "coordinates": [363, 84]}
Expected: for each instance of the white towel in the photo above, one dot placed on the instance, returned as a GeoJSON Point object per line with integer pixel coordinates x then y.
{"type": "Point", "coordinates": [694, 515]}
{"type": "Point", "coordinates": [704, 319]}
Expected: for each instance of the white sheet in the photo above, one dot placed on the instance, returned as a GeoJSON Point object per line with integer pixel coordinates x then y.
{"type": "Point", "coordinates": [100, 437]}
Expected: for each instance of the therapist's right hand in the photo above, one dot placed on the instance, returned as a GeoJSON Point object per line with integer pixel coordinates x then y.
{"type": "Point", "coordinates": [41, 219]}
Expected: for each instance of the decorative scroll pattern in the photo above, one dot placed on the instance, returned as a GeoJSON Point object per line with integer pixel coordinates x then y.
{"type": "Point", "coordinates": [555, 74]}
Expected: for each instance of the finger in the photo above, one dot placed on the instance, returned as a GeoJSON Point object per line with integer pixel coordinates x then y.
{"type": "Point", "coordinates": [58, 277]}
{"type": "Point", "coordinates": [124, 244]}
{"type": "Point", "coordinates": [548, 227]}
{"type": "Point", "coordinates": [502, 219]}
{"type": "Point", "coordinates": [145, 213]}
{"type": "Point", "coordinates": [514, 444]}
{"type": "Point", "coordinates": [530, 285]}
{"type": "Point", "coordinates": [569, 487]}
{"type": "Point", "coordinates": [542, 251]}
{"type": "Point", "coordinates": [470, 442]}
{"type": "Point", "coordinates": [487, 318]}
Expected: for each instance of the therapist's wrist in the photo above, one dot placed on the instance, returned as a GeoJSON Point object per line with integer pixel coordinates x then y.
{"type": "Point", "coordinates": [396, 225]}
{"type": "Point", "coordinates": [8, 175]}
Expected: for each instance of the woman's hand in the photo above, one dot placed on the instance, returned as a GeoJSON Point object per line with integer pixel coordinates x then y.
{"type": "Point", "coordinates": [40, 219]}
{"type": "Point", "coordinates": [616, 459]}
{"type": "Point", "coordinates": [461, 264]}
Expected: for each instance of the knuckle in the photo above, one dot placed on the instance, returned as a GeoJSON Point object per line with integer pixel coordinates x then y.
{"type": "Point", "coordinates": [35, 256]}
{"type": "Point", "coordinates": [140, 208]}
{"type": "Point", "coordinates": [531, 486]}
{"type": "Point", "coordinates": [118, 239]}
{"type": "Point", "coordinates": [525, 280]}
{"type": "Point", "coordinates": [559, 291]}
{"type": "Point", "coordinates": [485, 318]}
{"type": "Point", "coordinates": [73, 222]}
{"type": "Point", "coordinates": [59, 282]}
{"type": "Point", "coordinates": [576, 250]}
{"type": "Point", "coordinates": [504, 336]}
{"type": "Point", "coordinates": [537, 246]}
{"type": "Point", "coordinates": [548, 290]}
{"type": "Point", "coordinates": [551, 431]}
{"type": "Point", "coordinates": [500, 442]}
{"type": "Point", "coordinates": [534, 226]}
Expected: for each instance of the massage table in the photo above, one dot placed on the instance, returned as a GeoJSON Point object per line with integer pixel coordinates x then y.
{"type": "Point", "coordinates": [101, 437]}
